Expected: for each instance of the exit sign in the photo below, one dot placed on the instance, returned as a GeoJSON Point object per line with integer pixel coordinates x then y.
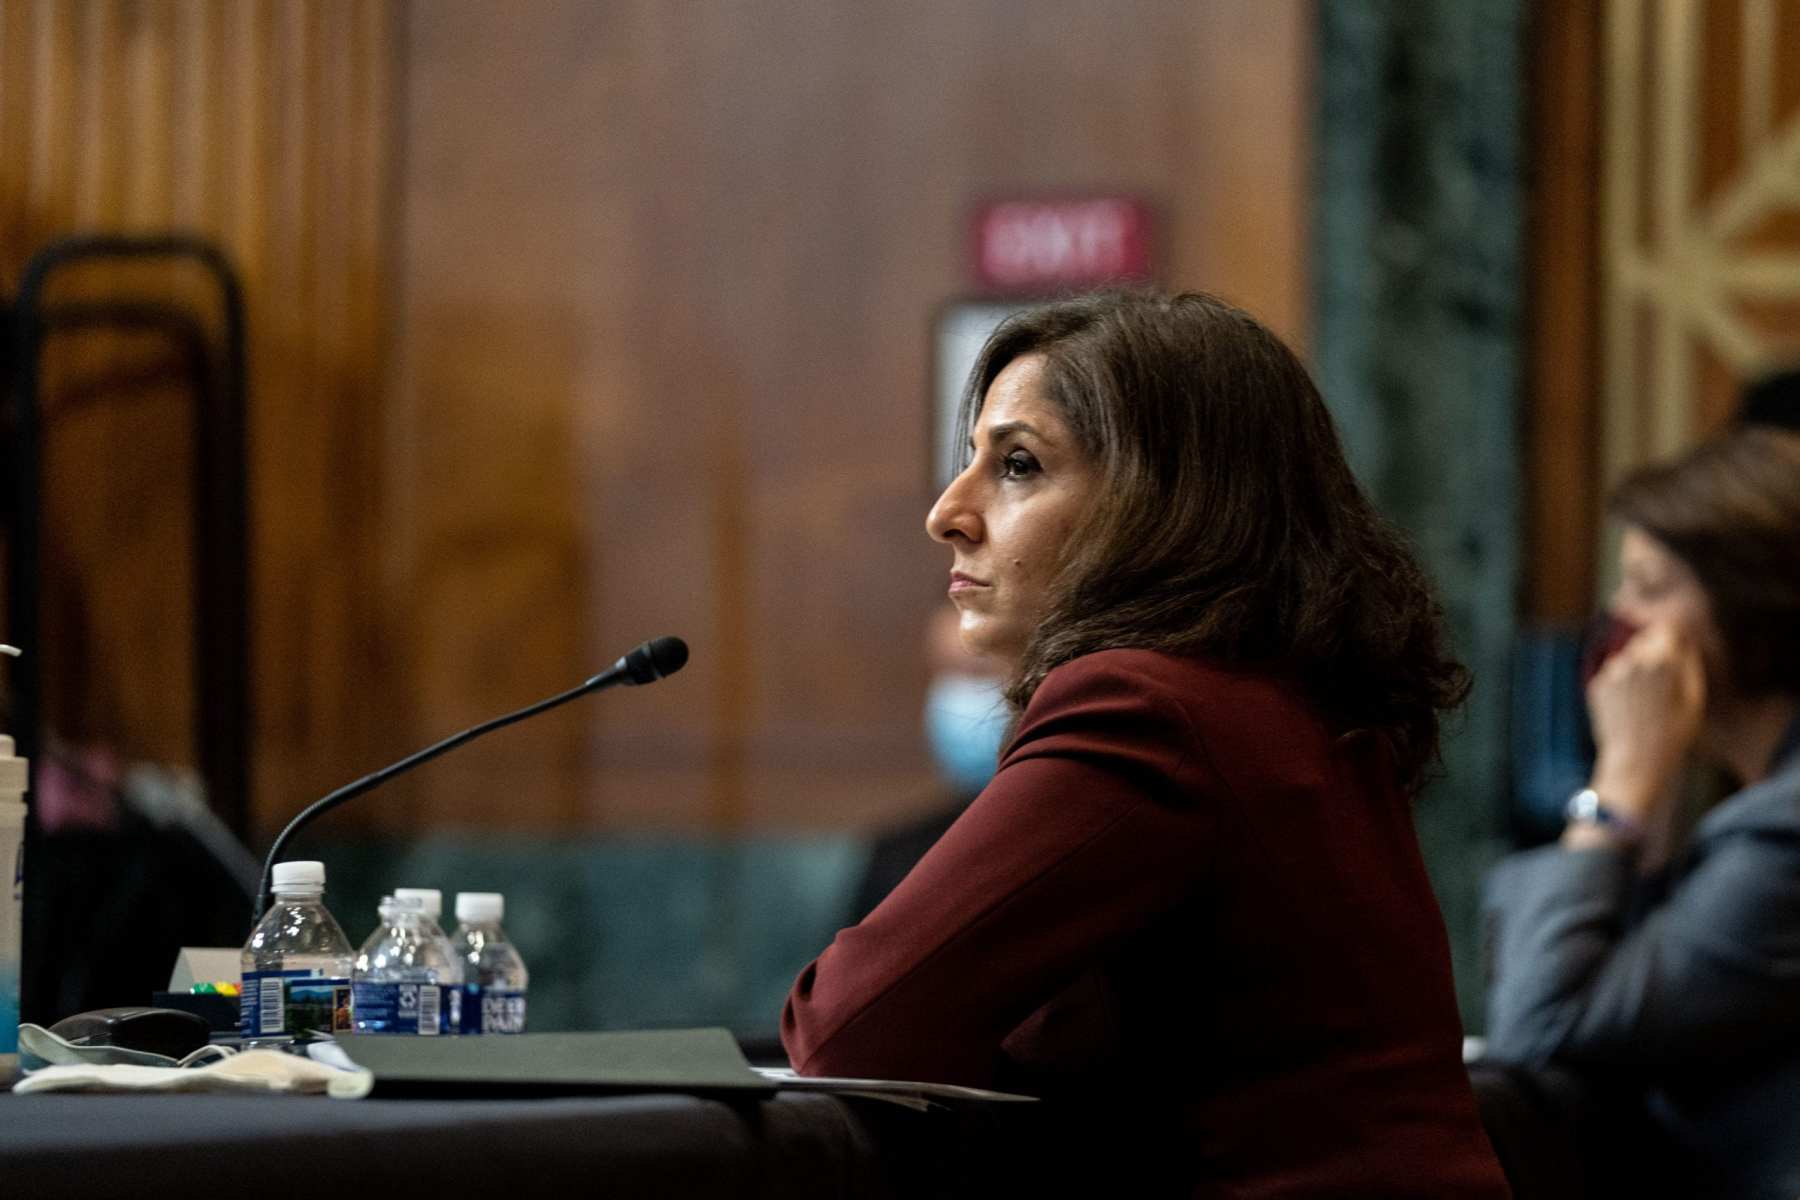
{"type": "Point", "coordinates": [1057, 245]}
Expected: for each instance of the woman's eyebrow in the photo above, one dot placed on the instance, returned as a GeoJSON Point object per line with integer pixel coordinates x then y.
{"type": "Point", "coordinates": [1007, 429]}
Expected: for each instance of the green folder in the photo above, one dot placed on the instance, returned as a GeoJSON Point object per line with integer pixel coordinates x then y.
{"type": "Point", "coordinates": [703, 1062]}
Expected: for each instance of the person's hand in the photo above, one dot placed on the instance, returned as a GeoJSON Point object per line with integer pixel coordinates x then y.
{"type": "Point", "coordinates": [1646, 705]}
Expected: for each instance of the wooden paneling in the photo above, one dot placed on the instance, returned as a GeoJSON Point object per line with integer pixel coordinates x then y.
{"type": "Point", "coordinates": [1562, 504]}
{"type": "Point", "coordinates": [575, 323]}
{"type": "Point", "coordinates": [264, 125]}
{"type": "Point", "coordinates": [666, 282]}
{"type": "Point", "coordinates": [1665, 247]}
{"type": "Point", "coordinates": [1701, 181]}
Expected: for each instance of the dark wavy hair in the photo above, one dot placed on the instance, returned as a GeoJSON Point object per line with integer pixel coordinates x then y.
{"type": "Point", "coordinates": [1227, 523]}
{"type": "Point", "coordinates": [1730, 510]}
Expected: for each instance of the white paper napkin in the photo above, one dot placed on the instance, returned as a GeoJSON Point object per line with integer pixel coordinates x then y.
{"type": "Point", "coordinates": [251, 1071]}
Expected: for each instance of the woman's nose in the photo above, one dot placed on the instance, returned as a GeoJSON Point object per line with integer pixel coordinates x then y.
{"type": "Point", "coordinates": [953, 515]}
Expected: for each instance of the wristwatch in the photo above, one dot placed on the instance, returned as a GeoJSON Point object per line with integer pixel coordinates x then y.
{"type": "Point", "coordinates": [1586, 808]}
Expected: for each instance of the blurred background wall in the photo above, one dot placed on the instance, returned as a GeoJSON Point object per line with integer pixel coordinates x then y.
{"type": "Point", "coordinates": [268, 128]}
{"type": "Point", "coordinates": [576, 323]}
{"type": "Point", "coordinates": [1419, 215]}
{"type": "Point", "coordinates": [1663, 249]}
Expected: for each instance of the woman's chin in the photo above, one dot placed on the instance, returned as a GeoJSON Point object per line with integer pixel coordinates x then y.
{"type": "Point", "coordinates": [982, 637]}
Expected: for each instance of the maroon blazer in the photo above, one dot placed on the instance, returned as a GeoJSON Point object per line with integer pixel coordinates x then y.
{"type": "Point", "coordinates": [1184, 905]}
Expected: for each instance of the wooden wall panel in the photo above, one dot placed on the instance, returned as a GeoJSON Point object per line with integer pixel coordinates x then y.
{"type": "Point", "coordinates": [1562, 452]}
{"type": "Point", "coordinates": [1702, 135]}
{"type": "Point", "coordinates": [264, 125]}
{"type": "Point", "coordinates": [575, 323]}
{"type": "Point", "coordinates": [666, 280]}
{"type": "Point", "coordinates": [1665, 249]}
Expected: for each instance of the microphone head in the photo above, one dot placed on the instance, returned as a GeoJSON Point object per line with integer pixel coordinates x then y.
{"type": "Point", "coordinates": [655, 659]}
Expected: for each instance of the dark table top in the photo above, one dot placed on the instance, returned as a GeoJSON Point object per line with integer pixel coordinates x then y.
{"type": "Point", "coordinates": [793, 1145]}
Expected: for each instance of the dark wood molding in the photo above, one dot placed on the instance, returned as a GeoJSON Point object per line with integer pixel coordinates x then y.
{"type": "Point", "coordinates": [1561, 409]}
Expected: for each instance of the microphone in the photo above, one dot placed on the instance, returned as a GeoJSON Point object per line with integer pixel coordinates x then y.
{"type": "Point", "coordinates": [655, 659]}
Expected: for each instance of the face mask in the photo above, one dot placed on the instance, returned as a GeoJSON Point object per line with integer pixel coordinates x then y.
{"type": "Point", "coordinates": [965, 718]}
{"type": "Point", "coordinates": [1604, 637]}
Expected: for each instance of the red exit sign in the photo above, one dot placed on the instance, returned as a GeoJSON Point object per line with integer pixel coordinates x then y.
{"type": "Point", "coordinates": [1054, 245]}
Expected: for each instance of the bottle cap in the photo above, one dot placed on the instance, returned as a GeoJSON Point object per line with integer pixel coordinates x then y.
{"type": "Point", "coordinates": [479, 908]}
{"type": "Point", "coordinates": [301, 876]}
{"type": "Point", "coordinates": [431, 901]}
{"type": "Point", "coordinates": [13, 774]}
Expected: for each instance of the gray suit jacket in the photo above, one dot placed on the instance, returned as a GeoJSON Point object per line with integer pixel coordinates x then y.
{"type": "Point", "coordinates": [1684, 988]}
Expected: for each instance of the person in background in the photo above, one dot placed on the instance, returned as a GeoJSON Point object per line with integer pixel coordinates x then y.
{"type": "Point", "coordinates": [1189, 911]}
{"type": "Point", "coordinates": [965, 719]}
{"type": "Point", "coordinates": [1553, 751]}
{"type": "Point", "coordinates": [1666, 973]}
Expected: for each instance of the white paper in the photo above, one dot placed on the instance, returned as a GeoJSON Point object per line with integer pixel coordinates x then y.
{"type": "Point", "coordinates": [251, 1071]}
{"type": "Point", "coordinates": [912, 1092]}
{"type": "Point", "coordinates": [205, 964]}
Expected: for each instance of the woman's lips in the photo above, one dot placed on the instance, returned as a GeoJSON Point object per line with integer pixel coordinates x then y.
{"type": "Point", "coordinates": [960, 583]}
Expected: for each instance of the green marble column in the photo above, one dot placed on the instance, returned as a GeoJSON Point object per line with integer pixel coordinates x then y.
{"type": "Point", "coordinates": [1417, 256]}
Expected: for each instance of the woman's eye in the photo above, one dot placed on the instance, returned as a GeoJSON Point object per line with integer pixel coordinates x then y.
{"type": "Point", "coordinates": [1017, 465]}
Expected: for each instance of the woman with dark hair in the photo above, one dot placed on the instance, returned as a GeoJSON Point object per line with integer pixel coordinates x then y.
{"type": "Point", "coordinates": [1662, 966]}
{"type": "Point", "coordinates": [1190, 907]}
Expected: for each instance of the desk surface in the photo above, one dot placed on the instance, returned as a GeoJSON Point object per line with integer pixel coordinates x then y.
{"type": "Point", "coordinates": [794, 1145]}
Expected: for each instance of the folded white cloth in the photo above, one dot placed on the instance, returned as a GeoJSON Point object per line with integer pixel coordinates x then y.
{"type": "Point", "coordinates": [251, 1071]}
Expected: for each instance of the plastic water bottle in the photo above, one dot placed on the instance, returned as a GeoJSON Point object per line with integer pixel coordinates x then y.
{"type": "Point", "coordinates": [406, 979]}
{"type": "Point", "coordinates": [431, 905]}
{"type": "Point", "coordinates": [431, 914]}
{"type": "Point", "coordinates": [296, 965]}
{"type": "Point", "coordinates": [431, 918]}
{"type": "Point", "coordinates": [495, 975]}
{"type": "Point", "coordinates": [12, 896]}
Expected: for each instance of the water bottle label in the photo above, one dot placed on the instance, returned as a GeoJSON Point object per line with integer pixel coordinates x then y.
{"type": "Point", "coordinates": [501, 1010]}
{"type": "Point", "coordinates": [426, 1009]}
{"type": "Point", "coordinates": [294, 1002]}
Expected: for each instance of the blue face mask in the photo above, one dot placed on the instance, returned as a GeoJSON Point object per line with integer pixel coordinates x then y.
{"type": "Point", "coordinates": [965, 718]}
